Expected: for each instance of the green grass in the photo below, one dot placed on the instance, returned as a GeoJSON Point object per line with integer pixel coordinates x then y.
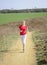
{"type": "Point", "coordinates": [13, 17]}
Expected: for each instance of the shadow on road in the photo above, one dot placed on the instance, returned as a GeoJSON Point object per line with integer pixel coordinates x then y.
{"type": "Point", "coordinates": [11, 51]}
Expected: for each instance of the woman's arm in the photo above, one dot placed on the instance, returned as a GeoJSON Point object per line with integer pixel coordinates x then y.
{"type": "Point", "coordinates": [27, 29]}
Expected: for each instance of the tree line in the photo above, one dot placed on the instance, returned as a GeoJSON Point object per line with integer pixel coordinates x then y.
{"type": "Point", "coordinates": [23, 10]}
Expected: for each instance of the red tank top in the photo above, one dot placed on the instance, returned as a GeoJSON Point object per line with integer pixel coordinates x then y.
{"type": "Point", "coordinates": [23, 29]}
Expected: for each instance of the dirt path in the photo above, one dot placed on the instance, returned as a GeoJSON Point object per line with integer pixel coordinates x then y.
{"type": "Point", "coordinates": [16, 56]}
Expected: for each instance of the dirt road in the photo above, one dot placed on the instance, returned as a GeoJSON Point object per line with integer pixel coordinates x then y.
{"type": "Point", "coordinates": [15, 55]}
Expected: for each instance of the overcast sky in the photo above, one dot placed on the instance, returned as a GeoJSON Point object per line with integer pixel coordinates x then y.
{"type": "Point", "coordinates": [22, 4]}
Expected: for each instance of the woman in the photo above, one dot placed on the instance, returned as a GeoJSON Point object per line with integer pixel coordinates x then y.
{"type": "Point", "coordinates": [23, 33]}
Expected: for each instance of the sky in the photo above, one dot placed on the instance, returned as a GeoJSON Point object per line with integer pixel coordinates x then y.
{"type": "Point", "coordinates": [22, 4]}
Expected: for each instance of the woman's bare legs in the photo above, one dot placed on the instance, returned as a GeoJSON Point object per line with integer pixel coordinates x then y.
{"type": "Point", "coordinates": [23, 47]}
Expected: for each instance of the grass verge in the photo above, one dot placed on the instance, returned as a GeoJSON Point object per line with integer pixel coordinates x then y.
{"type": "Point", "coordinates": [40, 40]}
{"type": "Point", "coordinates": [6, 41]}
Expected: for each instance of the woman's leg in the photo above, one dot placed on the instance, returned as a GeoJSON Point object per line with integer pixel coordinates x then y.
{"type": "Point", "coordinates": [23, 38]}
{"type": "Point", "coordinates": [24, 42]}
{"type": "Point", "coordinates": [23, 47]}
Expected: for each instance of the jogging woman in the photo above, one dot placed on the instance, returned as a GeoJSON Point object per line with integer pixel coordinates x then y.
{"type": "Point", "coordinates": [23, 33]}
